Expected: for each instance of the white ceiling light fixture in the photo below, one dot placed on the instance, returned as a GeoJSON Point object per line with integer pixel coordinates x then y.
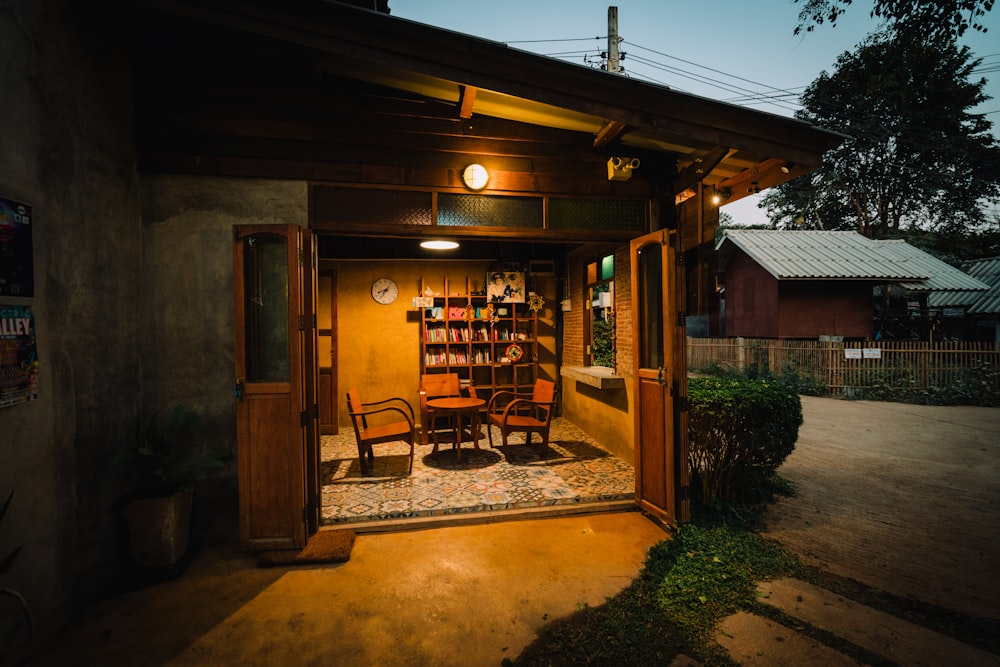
{"type": "Point", "coordinates": [439, 245]}
{"type": "Point", "coordinates": [475, 177]}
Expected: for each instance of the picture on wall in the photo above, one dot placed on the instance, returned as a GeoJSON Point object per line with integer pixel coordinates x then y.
{"type": "Point", "coordinates": [17, 269]}
{"type": "Point", "coordinates": [18, 356]}
{"type": "Point", "coordinates": [505, 287]}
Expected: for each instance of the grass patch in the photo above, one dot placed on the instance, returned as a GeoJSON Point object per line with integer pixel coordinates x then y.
{"type": "Point", "coordinates": [688, 584]}
{"type": "Point", "coordinates": [707, 571]}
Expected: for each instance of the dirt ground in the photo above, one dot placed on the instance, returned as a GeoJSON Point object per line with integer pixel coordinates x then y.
{"type": "Point", "coordinates": [903, 498]}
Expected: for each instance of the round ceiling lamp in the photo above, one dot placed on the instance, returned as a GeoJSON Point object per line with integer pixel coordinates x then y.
{"type": "Point", "coordinates": [475, 177]}
{"type": "Point", "coordinates": [439, 245]}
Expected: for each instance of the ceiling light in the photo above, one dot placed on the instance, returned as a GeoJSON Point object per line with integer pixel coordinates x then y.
{"type": "Point", "coordinates": [475, 177]}
{"type": "Point", "coordinates": [439, 245]}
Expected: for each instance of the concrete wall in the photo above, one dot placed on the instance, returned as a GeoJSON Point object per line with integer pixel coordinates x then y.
{"type": "Point", "coordinates": [66, 149]}
{"type": "Point", "coordinates": [187, 342]}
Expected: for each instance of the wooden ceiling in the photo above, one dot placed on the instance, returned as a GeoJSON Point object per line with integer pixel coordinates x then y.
{"type": "Point", "coordinates": [321, 91]}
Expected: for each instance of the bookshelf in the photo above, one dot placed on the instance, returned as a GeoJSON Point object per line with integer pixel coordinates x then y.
{"type": "Point", "coordinates": [458, 335]}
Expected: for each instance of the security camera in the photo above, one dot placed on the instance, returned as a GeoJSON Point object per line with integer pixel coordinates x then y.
{"type": "Point", "coordinates": [620, 168]}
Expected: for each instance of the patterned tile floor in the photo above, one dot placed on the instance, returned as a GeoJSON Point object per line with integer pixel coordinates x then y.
{"type": "Point", "coordinates": [575, 471]}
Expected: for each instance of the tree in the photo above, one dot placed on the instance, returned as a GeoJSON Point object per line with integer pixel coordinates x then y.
{"type": "Point", "coordinates": [916, 157]}
{"type": "Point", "coordinates": [936, 18]}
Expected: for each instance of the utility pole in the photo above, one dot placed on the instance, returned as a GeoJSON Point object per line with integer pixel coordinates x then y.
{"type": "Point", "coordinates": [613, 64]}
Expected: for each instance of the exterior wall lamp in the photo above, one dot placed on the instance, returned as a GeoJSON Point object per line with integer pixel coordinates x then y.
{"type": "Point", "coordinates": [475, 177]}
{"type": "Point", "coordinates": [720, 195]}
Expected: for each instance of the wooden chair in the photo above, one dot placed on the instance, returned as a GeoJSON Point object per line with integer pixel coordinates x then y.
{"type": "Point", "coordinates": [522, 412]}
{"type": "Point", "coordinates": [368, 435]}
{"type": "Point", "coordinates": [437, 385]}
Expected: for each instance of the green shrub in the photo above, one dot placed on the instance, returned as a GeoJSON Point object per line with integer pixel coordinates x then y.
{"type": "Point", "coordinates": [740, 430]}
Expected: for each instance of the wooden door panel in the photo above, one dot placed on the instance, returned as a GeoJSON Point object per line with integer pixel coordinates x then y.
{"type": "Point", "coordinates": [654, 467]}
{"type": "Point", "coordinates": [657, 367]}
{"type": "Point", "coordinates": [275, 388]}
{"type": "Point", "coordinates": [326, 314]}
{"type": "Point", "coordinates": [265, 470]}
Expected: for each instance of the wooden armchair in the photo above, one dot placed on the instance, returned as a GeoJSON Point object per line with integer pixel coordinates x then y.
{"type": "Point", "coordinates": [438, 385]}
{"type": "Point", "coordinates": [521, 412]}
{"type": "Point", "coordinates": [368, 435]}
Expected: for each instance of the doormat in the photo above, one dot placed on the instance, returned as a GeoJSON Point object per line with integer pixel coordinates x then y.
{"type": "Point", "coordinates": [326, 546]}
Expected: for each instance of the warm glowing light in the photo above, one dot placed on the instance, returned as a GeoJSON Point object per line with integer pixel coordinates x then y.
{"type": "Point", "coordinates": [475, 177]}
{"type": "Point", "coordinates": [439, 245]}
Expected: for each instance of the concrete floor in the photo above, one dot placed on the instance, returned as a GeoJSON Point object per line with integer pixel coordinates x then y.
{"type": "Point", "coordinates": [461, 595]}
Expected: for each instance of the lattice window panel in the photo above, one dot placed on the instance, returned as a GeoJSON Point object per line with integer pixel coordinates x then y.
{"type": "Point", "coordinates": [489, 211]}
{"type": "Point", "coordinates": [370, 206]}
{"type": "Point", "coordinates": [597, 214]}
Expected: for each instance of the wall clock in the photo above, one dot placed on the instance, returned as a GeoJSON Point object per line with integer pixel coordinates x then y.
{"type": "Point", "coordinates": [384, 291]}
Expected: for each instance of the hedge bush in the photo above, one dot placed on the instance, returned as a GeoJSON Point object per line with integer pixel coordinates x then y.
{"type": "Point", "coordinates": [740, 430]}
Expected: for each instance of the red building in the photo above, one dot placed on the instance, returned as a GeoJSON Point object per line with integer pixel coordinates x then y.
{"type": "Point", "coordinates": [807, 284]}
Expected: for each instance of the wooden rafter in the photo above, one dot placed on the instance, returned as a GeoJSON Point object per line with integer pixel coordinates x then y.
{"type": "Point", "coordinates": [608, 133]}
{"type": "Point", "coordinates": [466, 99]}
{"type": "Point", "coordinates": [699, 169]}
{"type": "Point", "coordinates": [765, 175]}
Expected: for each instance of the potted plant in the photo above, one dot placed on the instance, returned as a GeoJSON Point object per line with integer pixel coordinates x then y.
{"type": "Point", "coordinates": [158, 513]}
{"type": "Point", "coordinates": [5, 564]}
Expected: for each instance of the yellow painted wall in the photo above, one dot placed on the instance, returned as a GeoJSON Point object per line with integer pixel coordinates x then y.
{"type": "Point", "coordinates": [606, 415]}
{"type": "Point", "coordinates": [379, 345]}
{"type": "Point", "coordinates": [603, 414]}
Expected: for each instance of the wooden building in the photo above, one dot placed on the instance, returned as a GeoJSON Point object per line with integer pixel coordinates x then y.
{"type": "Point", "coordinates": [807, 284]}
{"type": "Point", "coordinates": [162, 143]}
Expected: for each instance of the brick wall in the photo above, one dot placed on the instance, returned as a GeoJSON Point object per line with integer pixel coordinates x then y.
{"type": "Point", "coordinates": [573, 321]}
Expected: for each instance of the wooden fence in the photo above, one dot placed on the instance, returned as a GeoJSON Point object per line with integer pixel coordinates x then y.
{"type": "Point", "coordinates": [847, 368]}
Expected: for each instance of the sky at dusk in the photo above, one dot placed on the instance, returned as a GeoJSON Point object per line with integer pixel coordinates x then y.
{"type": "Point", "coordinates": [726, 50]}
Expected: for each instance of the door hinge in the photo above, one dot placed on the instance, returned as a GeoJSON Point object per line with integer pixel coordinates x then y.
{"type": "Point", "coordinates": [302, 322]}
{"type": "Point", "coordinates": [682, 404]}
{"type": "Point", "coordinates": [681, 318]}
{"type": "Point", "coordinates": [685, 492]}
{"type": "Point", "coordinates": [303, 418]}
{"type": "Point", "coordinates": [681, 259]}
{"type": "Point", "coordinates": [305, 514]}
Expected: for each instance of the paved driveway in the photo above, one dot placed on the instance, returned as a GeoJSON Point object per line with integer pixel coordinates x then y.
{"type": "Point", "coordinates": [905, 498]}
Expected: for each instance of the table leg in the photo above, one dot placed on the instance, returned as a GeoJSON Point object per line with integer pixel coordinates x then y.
{"type": "Point", "coordinates": [476, 425]}
{"type": "Point", "coordinates": [458, 436]}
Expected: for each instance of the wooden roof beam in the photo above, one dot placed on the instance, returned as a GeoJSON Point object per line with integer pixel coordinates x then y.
{"type": "Point", "coordinates": [608, 133]}
{"type": "Point", "coordinates": [466, 100]}
{"type": "Point", "coordinates": [765, 175]}
{"type": "Point", "coordinates": [699, 169]}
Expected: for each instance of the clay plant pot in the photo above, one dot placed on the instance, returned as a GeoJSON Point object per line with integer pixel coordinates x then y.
{"type": "Point", "coordinates": [159, 528]}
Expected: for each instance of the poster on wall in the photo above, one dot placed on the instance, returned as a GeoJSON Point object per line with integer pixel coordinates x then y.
{"type": "Point", "coordinates": [18, 356]}
{"type": "Point", "coordinates": [505, 287]}
{"type": "Point", "coordinates": [17, 267]}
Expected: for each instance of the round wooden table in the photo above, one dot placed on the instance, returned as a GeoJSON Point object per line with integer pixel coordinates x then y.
{"type": "Point", "coordinates": [459, 407]}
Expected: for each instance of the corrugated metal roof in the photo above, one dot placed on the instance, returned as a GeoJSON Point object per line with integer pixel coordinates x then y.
{"type": "Point", "coordinates": [986, 302]}
{"type": "Point", "coordinates": [941, 276]}
{"type": "Point", "coordinates": [820, 255]}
